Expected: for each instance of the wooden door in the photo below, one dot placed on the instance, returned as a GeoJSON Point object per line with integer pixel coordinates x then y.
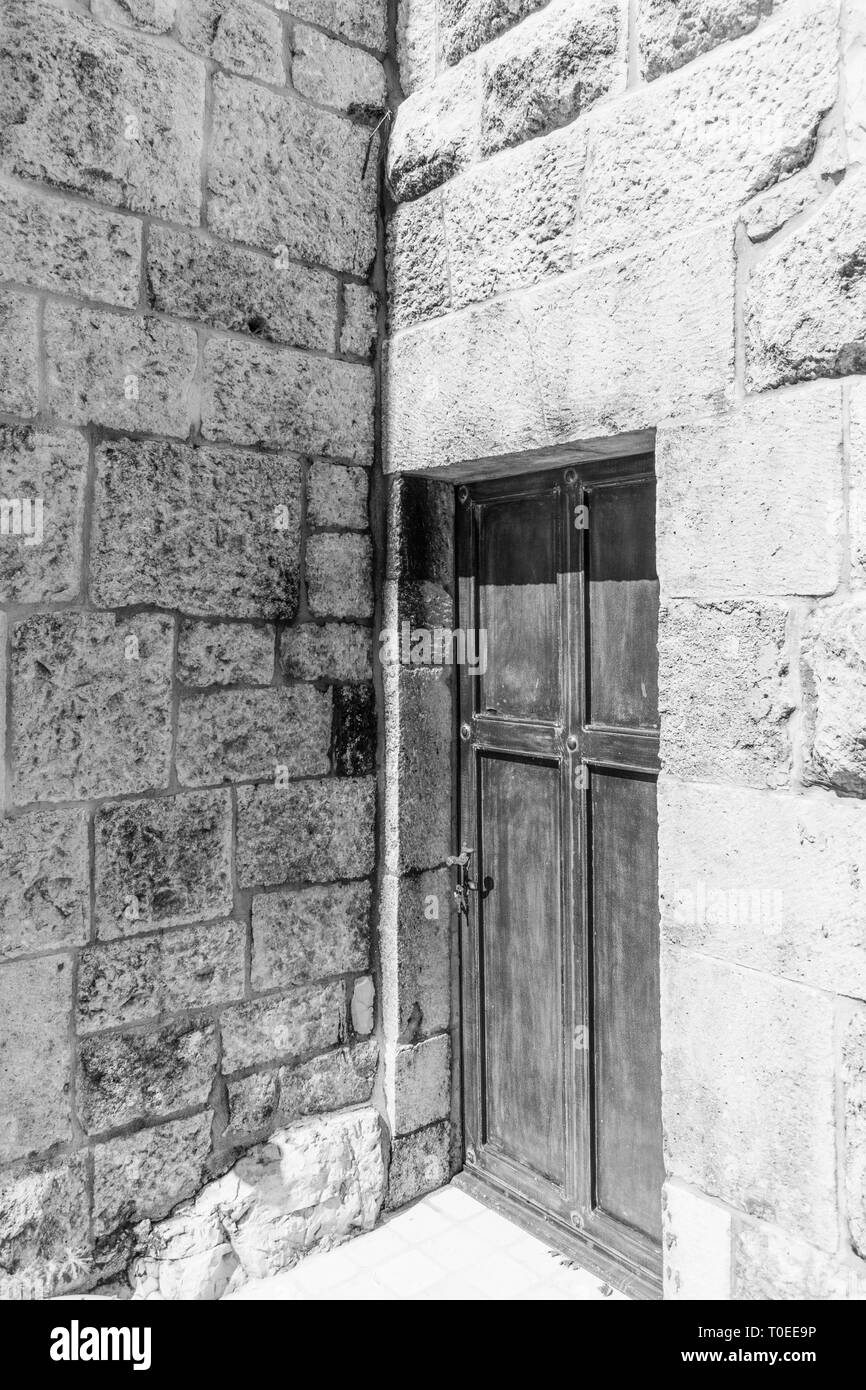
{"type": "Point", "coordinates": [560, 937]}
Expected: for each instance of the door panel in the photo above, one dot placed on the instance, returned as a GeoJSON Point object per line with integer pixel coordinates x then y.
{"type": "Point", "coordinates": [558, 763]}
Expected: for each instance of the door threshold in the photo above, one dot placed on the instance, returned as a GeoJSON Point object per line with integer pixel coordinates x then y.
{"type": "Point", "coordinates": [636, 1284]}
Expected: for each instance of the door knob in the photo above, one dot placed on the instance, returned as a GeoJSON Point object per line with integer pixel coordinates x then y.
{"type": "Point", "coordinates": [465, 884]}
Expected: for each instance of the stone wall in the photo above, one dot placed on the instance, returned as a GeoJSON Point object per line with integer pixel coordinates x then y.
{"type": "Point", "coordinates": [620, 225]}
{"type": "Point", "coordinates": [189, 242]}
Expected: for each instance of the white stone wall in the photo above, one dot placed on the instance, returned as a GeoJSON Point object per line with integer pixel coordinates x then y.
{"type": "Point", "coordinates": [616, 221]}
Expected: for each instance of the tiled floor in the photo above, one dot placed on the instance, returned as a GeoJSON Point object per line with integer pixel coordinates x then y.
{"type": "Point", "coordinates": [447, 1246]}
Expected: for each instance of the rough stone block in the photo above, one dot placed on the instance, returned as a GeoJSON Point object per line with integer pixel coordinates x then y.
{"type": "Point", "coordinates": [673, 32]}
{"type": "Point", "coordinates": [210, 532]}
{"type": "Point", "coordinates": [359, 329]}
{"type": "Point", "coordinates": [854, 70]}
{"type": "Point", "coordinates": [363, 1006]}
{"type": "Point", "coordinates": [70, 248]}
{"type": "Point", "coordinates": [422, 1084]}
{"type": "Point", "coordinates": [767, 213]}
{"type": "Point", "coordinates": [225, 654]}
{"type": "Point", "coordinates": [418, 274]}
{"type": "Point", "coordinates": [696, 1246]}
{"type": "Point", "coordinates": [89, 109]}
{"type": "Point", "coordinates": [150, 977]}
{"type": "Point", "coordinates": [419, 1163]}
{"type": "Point", "coordinates": [857, 483]}
{"type": "Point", "coordinates": [245, 291]}
{"type": "Point", "coordinates": [514, 374]}
{"type": "Point", "coordinates": [416, 42]}
{"type": "Point", "coordinates": [759, 1136]}
{"type": "Point", "coordinates": [702, 145]}
{"type": "Point", "coordinates": [139, 1076]}
{"type": "Point", "coordinates": [330, 72]}
{"type": "Point", "coordinates": [308, 933]}
{"type": "Point", "coordinates": [91, 705]}
{"type": "Point", "coordinates": [337, 497]}
{"type": "Point", "coordinates": [435, 133]}
{"type": "Point", "coordinates": [271, 1030]}
{"type": "Point", "coordinates": [331, 651]}
{"type": "Point", "coordinates": [834, 679]}
{"type": "Point", "coordinates": [854, 1081]}
{"type": "Point", "coordinates": [233, 735]}
{"type": "Point", "coordinates": [340, 576]}
{"type": "Point", "coordinates": [35, 1009]}
{"type": "Point", "coordinates": [753, 502]}
{"type": "Point", "coordinates": [142, 1176]}
{"type": "Point", "coordinates": [162, 863]}
{"type": "Point", "coordinates": [252, 1105]}
{"type": "Point", "coordinates": [44, 896]}
{"type": "Point", "coordinates": [19, 378]}
{"type": "Point", "coordinates": [236, 34]}
{"type": "Point", "coordinates": [773, 882]}
{"type": "Point", "coordinates": [551, 69]}
{"type": "Point", "coordinates": [155, 16]}
{"type": "Point", "coordinates": [805, 303]}
{"type": "Point", "coordinates": [355, 731]}
{"type": "Point", "coordinates": [467, 24]}
{"type": "Point", "coordinates": [329, 1082]}
{"type": "Point", "coordinates": [418, 733]}
{"type": "Point", "coordinates": [306, 832]}
{"type": "Point", "coordinates": [773, 1265]}
{"type": "Point", "coordinates": [725, 692]}
{"type": "Point", "coordinates": [364, 21]}
{"type": "Point", "coordinates": [128, 373]}
{"type": "Point", "coordinates": [280, 398]}
{"type": "Point", "coordinates": [44, 562]}
{"type": "Point", "coordinates": [423, 948]}
{"type": "Point", "coordinates": [43, 1214]}
{"type": "Point", "coordinates": [321, 206]}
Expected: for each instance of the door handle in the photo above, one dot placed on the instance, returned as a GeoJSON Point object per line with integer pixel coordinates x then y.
{"type": "Point", "coordinates": [465, 885]}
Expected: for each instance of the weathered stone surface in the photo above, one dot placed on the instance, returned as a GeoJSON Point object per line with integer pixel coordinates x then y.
{"type": "Point", "coordinates": [336, 75]}
{"type": "Point", "coordinates": [236, 34]}
{"type": "Point", "coordinates": [91, 705]}
{"type": "Point", "coordinates": [340, 1078]}
{"type": "Point", "coordinates": [43, 1215]}
{"type": "Point", "coordinates": [854, 69]}
{"type": "Point", "coordinates": [316, 205]}
{"type": "Point", "coordinates": [270, 1030]}
{"type": "Point", "coordinates": [162, 863]}
{"type": "Point", "coordinates": [764, 510]}
{"type": "Point", "coordinates": [89, 109]}
{"type": "Point", "coordinates": [306, 832]}
{"type": "Point", "coordinates": [418, 284]}
{"type": "Point", "coordinates": [279, 398]}
{"type": "Point", "coordinates": [770, 1264]}
{"type": "Point", "coordinates": [711, 140]}
{"type": "Point", "coordinates": [128, 373]}
{"type": "Point", "coordinates": [69, 248]}
{"type": "Point", "coordinates": [360, 321]}
{"type": "Point", "coordinates": [760, 1136]}
{"type": "Point", "coordinates": [132, 1076]}
{"type": "Point", "coordinates": [854, 1079]}
{"type": "Point", "coordinates": [225, 654]}
{"type": "Point", "coordinates": [416, 42]}
{"type": "Point", "coordinates": [696, 1245]}
{"type": "Point", "coordinates": [340, 576]}
{"type": "Point", "coordinates": [423, 949]}
{"type": "Point", "coordinates": [769, 211]}
{"type": "Point", "coordinates": [306, 934]}
{"type": "Point", "coordinates": [145, 1175]}
{"type": "Point", "coordinates": [232, 735]}
{"type": "Point", "coordinates": [725, 692]}
{"type": "Point", "coordinates": [252, 1105]}
{"type": "Point", "coordinates": [857, 482]}
{"type": "Point", "coordinates": [365, 21]}
{"type": "Point", "coordinates": [44, 562]}
{"type": "Point", "coordinates": [515, 374]}
{"type": "Point", "coordinates": [419, 1163]}
{"type": "Point", "coordinates": [834, 680]}
{"type": "Point", "coordinates": [673, 32]}
{"type": "Point", "coordinates": [137, 981]}
{"type": "Point", "coordinates": [418, 730]}
{"type": "Point", "coordinates": [337, 497]}
{"type": "Point", "coordinates": [363, 1006]}
{"type": "Point", "coordinates": [332, 651]}
{"type": "Point", "coordinates": [467, 24]}
{"type": "Point", "coordinates": [550, 69]}
{"type": "Point", "coordinates": [805, 303]}
{"type": "Point", "coordinates": [312, 1186]}
{"type": "Point", "coordinates": [35, 1008]}
{"type": "Point", "coordinates": [355, 731]}
{"type": "Point", "coordinates": [776, 883]}
{"type": "Point", "coordinates": [422, 1084]}
{"type": "Point", "coordinates": [19, 380]}
{"type": "Point", "coordinates": [510, 222]}
{"type": "Point", "coordinates": [245, 291]}
{"type": "Point", "coordinates": [43, 882]}
{"type": "Point", "coordinates": [435, 133]}
{"type": "Point", "coordinates": [203, 530]}
{"type": "Point", "coordinates": [157, 16]}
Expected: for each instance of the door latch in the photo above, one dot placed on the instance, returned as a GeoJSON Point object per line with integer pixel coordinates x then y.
{"type": "Point", "coordinates": [465, 884]}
